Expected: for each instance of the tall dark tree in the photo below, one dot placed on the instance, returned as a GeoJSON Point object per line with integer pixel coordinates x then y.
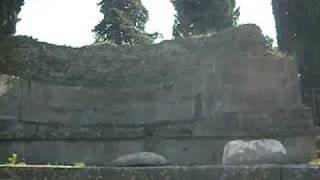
{"type": "Point", "coordinates": [203, 16]}
{"type": "Point", "coordinates": [298, 27]}
{"type": "Point", "coordinates": [123, 23]}
{"type": "Point", "coordinates": [9, 10]}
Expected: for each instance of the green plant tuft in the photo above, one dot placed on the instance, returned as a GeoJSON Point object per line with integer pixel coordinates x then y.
{"type": "Point", "coordinates": [80, 165]}
{"type": "Point", "coordinates": [315, 162]}
{"type": "Point", "coordinates": [13, 159]}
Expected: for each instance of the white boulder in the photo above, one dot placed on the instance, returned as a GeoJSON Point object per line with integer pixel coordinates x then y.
{"type": "Point", "coordinates": [265, 151]}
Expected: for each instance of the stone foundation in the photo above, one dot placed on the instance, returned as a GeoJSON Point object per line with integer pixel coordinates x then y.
{"type": "Point", "coordinates": [263, 172]}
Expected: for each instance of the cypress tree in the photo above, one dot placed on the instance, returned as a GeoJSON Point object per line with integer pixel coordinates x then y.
{"type": "Point", "coordinates": [123, 23]}
{"type": "Point", "coordinates": [298, 27]}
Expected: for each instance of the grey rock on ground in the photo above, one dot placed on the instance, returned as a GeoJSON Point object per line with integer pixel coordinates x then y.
{"type": "Point", "coordinates": [264, 151]}
{"type": "Point", "coordinates": [140, 159]}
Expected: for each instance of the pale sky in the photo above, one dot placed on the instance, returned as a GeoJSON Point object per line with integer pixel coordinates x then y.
{"type": "Point", "coordinates": [69, 22]}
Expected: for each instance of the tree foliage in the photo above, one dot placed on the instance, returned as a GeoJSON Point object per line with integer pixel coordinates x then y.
{"type": "Point", "coordinates": [269, 43]}
{"type": "Point", "coordinates": [123, 23]}
{"type": "Point", "coordinates": [298, 27]}
{"type": "Point", "coordinates": [203, 16]}
{"type": "Point", "coordinates": [296, 20]}
{"type": "Point", "coordinates": [9, 10]}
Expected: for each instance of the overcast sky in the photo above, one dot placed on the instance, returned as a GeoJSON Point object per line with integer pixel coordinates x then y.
{"type": "Point", "coordinates": [69, 22]}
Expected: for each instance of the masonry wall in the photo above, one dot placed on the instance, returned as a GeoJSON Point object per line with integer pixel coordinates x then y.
{"type": "Point", "coordinates": [184, 99]}
{"type": "Point", "coordinates": [263, 172]}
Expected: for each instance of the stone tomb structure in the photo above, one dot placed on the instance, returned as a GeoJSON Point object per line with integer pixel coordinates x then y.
{"type": "Point", "coordinates": [183, 99]}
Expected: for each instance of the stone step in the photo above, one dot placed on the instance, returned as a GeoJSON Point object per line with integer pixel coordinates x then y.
{"type": "Point", "coordinates": [261, 172]}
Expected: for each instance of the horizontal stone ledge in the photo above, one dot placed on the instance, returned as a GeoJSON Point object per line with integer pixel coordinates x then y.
{"type": "Point", "coordinates": [259, 172]}
{"type": "Point", "coordinates": [141, 133]}
{"type": "Point", "coordinates": [289, 119]}
{"type": "Point", "coordinates": [57, 124]}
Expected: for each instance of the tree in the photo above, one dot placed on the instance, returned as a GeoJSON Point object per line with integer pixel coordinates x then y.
{"type": "Point", "coordinates": [9, 10]}
{"type": "Point", "coordinates": [269, 43]}
{"type": "Point", "coordinates": [123, 23]}
{"type": "Point", "coordinates": [203, 16]}
{"type": "Point", "coordinates": [298, 27]}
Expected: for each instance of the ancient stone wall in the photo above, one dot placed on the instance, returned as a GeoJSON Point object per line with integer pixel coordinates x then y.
{"type": "Point", "coordinates": [184, 99]}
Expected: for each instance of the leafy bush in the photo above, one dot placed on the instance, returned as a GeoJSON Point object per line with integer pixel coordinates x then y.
{"type": "Point", "coordinates": [315, 162]}
{"type": "Point", "coordinates": [14, 160]}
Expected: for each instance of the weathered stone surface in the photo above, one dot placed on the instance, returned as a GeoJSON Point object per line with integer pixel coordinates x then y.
{"type": "Point", "coordinates": [218, 78]}
{"type": "Point", "coordinates": [265, 151]}
{"type": "Point", "coordinates": [261, 172]}
{"type": "Point", "coordinates": [300, 172]}
{"type": "Point", "coordinates": [94, 152]}
{"type": "Point", "coordinates": [102, 151]}
{"type": "Point", "coordinates": [140, 159]}
{"type": "Point", "coordinates": [265, 172]}
{"type": "Point", "coordinates": [183, 99]}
